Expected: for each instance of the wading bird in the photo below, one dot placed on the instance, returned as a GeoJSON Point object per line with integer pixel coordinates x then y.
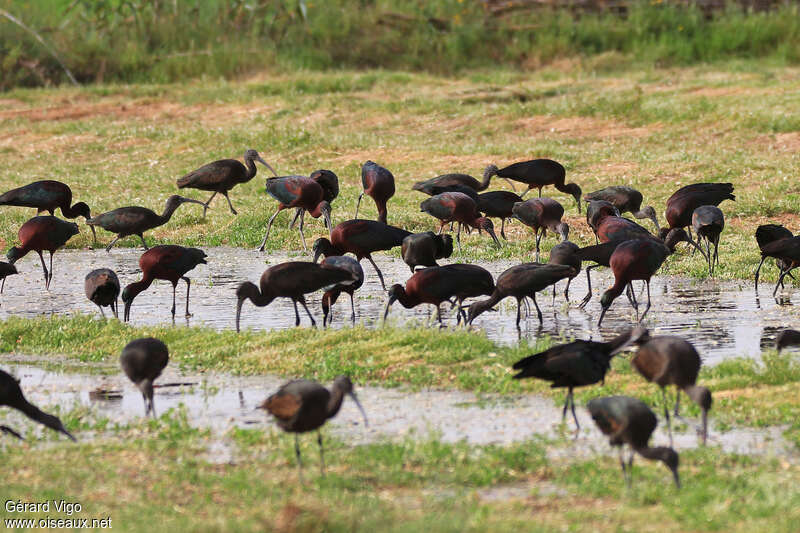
{"type": "Point", "coordinates": [11, 396]}
{"type": "Point", "coordinates": [522, 281]}
{"type": "Point", "coordinates": [6, 269]}
{"type": "Point", "coordinates": [575, 364]}
{"type": "Point", "coordinates": [39, 234]}
{"type": "Point", "coordinates": [498, 204]}
{"type": "Point", "coordinates": [542, 214]}
{"type": "Point", "coordinates": [332, 292]}
{"type": "Point", "coordinates": [301, 405]}
{"type": "Point", "coordinates": [457, 207]}
{"type": "Point", "coordinates": [143, 360]}
{"type": "Point", "coordinates": [102, 289]}
{"type": "Point", "coordinates": [222, 176]}
{"type": "Point", "coordinates": [596, 211]}
{"type": "Point", "coordinates": [669, 360]}
{"type": "Point", "coordinates": [436, 185]}
{"type": "Point", "coordinates": [629, 421]}
{"type": "Point", "coordinates": [423, 249]}
{"type": "Point", "coordinates": [293, 280]}
{"type": "Point", "coordinates": [300, 192]}
{"type": "Point", "coordinates": [681, 205]}
{"type": "Point", "coordinates": [46, 195]}
{"type": "Point", "coordinates": [626, 200]}
{"type": "Point", "coordinates": [785, 251]}
{"type": "Point", "coordinates": [360, 238]}
{"type": "Point", "coordinates": [768, 233]}
{"type": "Point", "coordinates": [168, 262]}
{"type": "Point", "coordinates": [565, 253]}
{"type": "Point", "coordinates": [330, 186]}
{"type": "Point", "coordinates": [536, 174]}
{"type": "Point", "coordinates": [378, 184]}
{"type": "Point", "coordinates": [135, 220]}
{"type": "Point", "coordinates": [708, 223]}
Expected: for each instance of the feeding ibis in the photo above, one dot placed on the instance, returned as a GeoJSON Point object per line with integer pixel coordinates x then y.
{"type": "Point", "coordinates": [332, 292]}
{"type": "Point", "coordinates": [378, 183]}
{"type": "Point", "coordinates": [538, 173]}
{"type": "Point", "coordinates": [708, 223]}
{"type": "Point", "coordinates": [596, 211]}
{"type": "Point", "coordinates": [787, 252]}
{"type": "Point", "coordinates": [143, 360]}
{"type": "Point", "coordinates": [47, 195]}
{"type": "Point", "coordinates": [498, 204]}
{"type": "Point", "coordinates": [423, 249]}
{"type": "Point", "coordinates": [360, 238]}
{"type": "Point", "coordinates": [6, 269]}
{"type": "Point", "coordinates": [626, 200]}
{"type": "Point", "coordinates": [565, 253]}
{"type": "Point", "coordinates": [435, 185]}
{"type": "Point", "coordinates": [522, 281]}
{"type": "Point", "coordinates": [168, 262]}
{"type": "Point", "coordinates": [575, 364]}
{"type": "Point", "coordinates": [222, 176]}
{"type": "Point", "coordinates": [135, 220]}
{"type": "Point", "coordinates": [457, 207]}
{"type": "Point", "coordinates": [435, 285]}
{"type": "Point", "coordinates": [300, 192]}
{"type": "Point", "coordinates": [542, 214]}
{"type": "Point", "coordinates": [786, 338]}
{"type": "Point", "coordinates": [300, 406]}
{"type": "Point", "coordinates": [102, 289]}
{"type": "Point", "coordinates": [42, 233]}
{"type": "Point", "coordinates": [768, 233]}
{"type": "Point", "coordinates": [293, 280]}
{"type": "Point", "coordinates": [630, 421]}
{"type": "Point", "coordinates": [670, 360]}
{"type": "Point", "coordinates": [330, 186]}
{"type": "Point", "coordinates": [681, 205]}
{"type": "Point", "coordinates": [11, 396]}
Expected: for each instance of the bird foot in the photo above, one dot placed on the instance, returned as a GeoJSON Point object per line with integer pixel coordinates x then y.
{"type": "Point", "coordinates": [188, 315]}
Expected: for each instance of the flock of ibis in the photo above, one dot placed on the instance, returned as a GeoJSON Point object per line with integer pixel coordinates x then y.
{"type": "Point", "coordinates": [632, 251]}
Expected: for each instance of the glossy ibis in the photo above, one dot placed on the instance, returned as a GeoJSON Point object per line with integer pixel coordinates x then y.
{"type": "Point", "coordinates": [330, 186]}
{"type": "Point", "coordinates": [39, 234]}
{"type": "Point", "coordinates": [102, 289]}
{"type": "Point", "coordinates": [47, 195]}
{"type": "Point", "coordinates": [630, 421]}
{"type": "Point", "coordinates": [681, 205]}
{"type": "Point", "coordinates": [301, 405]}
{"type": "Point", "coordinates": [631, 260]}
{"type": "Point", "coordinates": [168, 262]}
{"type": "Point", "coordinates": [423, 249]}
{"type": "Point", "coordinates": [222, 176]}
{"type": "Point", "coordinates": [498, 204]}
{"type": "Point", "coordinates": [669, 360]}
{"type": "Point", "coordinates": [768, 233]}
{"type": "Point", "coordinates": [596, 211]}
{"type": "Point", "coordinates": [6, 269]}
{"type": "Point", "coordinates": [143, 360]}
{"type": "Point", "coordinates": [565, 253]}
{"type": "Point", "coordinates": [11, 396]}
{"type": "Point", "coordinates": [575, 364]}
{"type": "Point", "coordinates": [432, 186]}
{"type": "Point", "coordinates": [626, 200]}
{"type": "Point", "coordinates": [378, 183]}
{"type": "Point", "coordinates": [457, 207]}
{"type": "Point", "coordinates": [537, 173]}
{"type": "Point", "coordinates": [522, 281]}
{"type": "Point", "coordinates": [542, 214]}
{"type": "Point", "coordinates": [360, 238]}
{"type": "Point", "coordinates": [135, 220]}
{"type": "Point", "coordinates": [332, 292]}
{"type": "Point", "coordinates": [786, 338]}
{"type": "Point", "coordinates": [708, 223]}
{"type": "Point", "coordinates": [300, 192]}
{"type": "Point", "coordinates": [293, 280]}
{"type": "Point", "coordinates": [613, 228]}
{"type": "Point", "coordinates": [787, 252]}
{"type": "Point", "coordinates": [435, 285]}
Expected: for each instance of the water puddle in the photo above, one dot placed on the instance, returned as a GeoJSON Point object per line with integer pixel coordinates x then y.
{"type": "Point", "coordinates": [722, 318]}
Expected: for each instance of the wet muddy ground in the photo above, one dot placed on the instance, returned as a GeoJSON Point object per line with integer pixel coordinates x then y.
{"type": "Point", "coordinates": [722, 318]}
{"type": "Point", "coordinates": [221, 402]}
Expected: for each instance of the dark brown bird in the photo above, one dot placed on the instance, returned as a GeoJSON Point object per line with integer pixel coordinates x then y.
{"type": "Point", "coordinates": [143, 360]}
{"type": "Point", "coordinates": [222, 176]}
{"type": "Point", "coordinates": [46, 195]}
{"type": "Point", "coordinates": [565, 253]}
{"type": "Point", "coordinates": [669, 360]}
{"type": "Point", "coordinates": [293, 280]}
{"type": "Point", "coordinates": [135, 220]}
{"type": "Point", "coordinates": [11, 396]}
{"type": "Point", "coordinates": [378, 183]}
{"type": "Point", "coordinates": [626, 200]}
{"type": "Point", "coordinates": [542, 214]}
{"type": "Point", "coordinates": [102, 289]}
{"type": "Point", "coordinates": [6, 269]}
{"type": "Point", "coordinates": [332, 292]}
{"type": "Point", "coordinates": [681, 205]}
{"type": "Point", "coordinates": [786, 338]}
{"type": "Point", "coordinates": [304, 194]}
{"type": "Point", "coordinates": [575, 364]}
{"type": "Point", "coordinates": [787, 251]}
{"type": "Point", "coordinates": [168, 262]}
{"type": "Point", "coordinates": [536, 174]}
{"type": "Point", "coordinates": [630, 421]}
{"type": "Point", "coordinates": [39, 234]}
{"type": "Point", "coordinates": [708, 223]}
{"type": "Point", "coordinates": [441, 183]}
{"type": "Point", "coordinates": [301, 405]}
{"type": "Point", "coordinates": [457, 207]}
{"type": "Point", "coordinates": [768, 233]}
{"type": "Point", "coordinates": [330, 187]}
{"type": "Point", "coordinates": [521, 281]}
{"type": "Point", "coordinates": [423, 249]}
{"type": "Point", "coordinates": [596, 211]}
{"type": "Point", "coordinates": [498, 204]}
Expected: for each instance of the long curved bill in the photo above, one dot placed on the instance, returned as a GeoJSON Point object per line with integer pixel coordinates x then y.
{"type": "Point", "coordinates": [389, 303]}
{"type": "Point", "coordinates": [329, 224]}
{"type": "Point", "coordinates": [239, 304]}
{"type": "Point", "coordinates": [266, 165]}
{"type": "Point", "coordinates": [363, 413]}
{"type": "Point", "coordinates": [494, 238]}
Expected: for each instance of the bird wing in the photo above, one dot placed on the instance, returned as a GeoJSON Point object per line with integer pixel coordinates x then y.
{"type": "Point", "coordinates": [369, 235]}
{"type": "Point", "coordinates": [287, 189]}
{"type": "Point", "coordinates": [767, 233]}
{"type": "Point", "coordinates": [123, 219]}
{"type": "Point", "coordinates": [584, 364]}
{"type": "Point", "coordinates": [282, 405]}
{"type": "Point", "coordinates": [212, 174]}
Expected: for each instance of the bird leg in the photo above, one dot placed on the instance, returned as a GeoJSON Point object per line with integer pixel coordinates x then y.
{"type": "Point", "coordinates": [677, 401]}
{"type": "Point", "coordinates": [589, 283]}
{"type": "Point", "coordinates": [321, 454]}
{"type": "Point", "coordinates": [188, 286]}
{"type": "Point", "coordinates": [458, 238]}
{"type": "Point", "coordinates": [358, 204]}
{"type": "Point", "coordinates": [622, 464]}
{"type": "Point", "coordinates": [300, 228]}
{"type": "Point", "coordinates": [303, 303]}
{"type": "Point", "coordinates": [540, 192]}
{"type": "Point", "coordinates": [44, 268]}
{"type": "Point", "coordinates": [114, 308]}
{"type": "Point", "coordinates": [269, 225]}
{"type": "Point", "coordinates": [352, 309]}
{"type": "Point", "coordinates": [519, 306]}
{"type": "Point", "coordinates": [112, 243]}
{"type": "Point", "coordinates": [574, 416]}
{"type": "Point", "coordinates": [646, 309]}
{"type": "Point", "coordinates": [439, 315]}
{"type": "Point", "coordinates": [538, 238]}
{"type": "Point", "coordinates": [102, 313]}
{"type": "Point", "coordinates": [666, 414]}
{"type": "Point", "coordinates": [9, 431]}
{"type": "Point", "coordinates": [566, 290]}
{"type": "Point", "coordinates": [296, 314]}
{"type": "Point", "coordinates": [296, 216]}
{"type": "Point", "coordinates": [758, 270]}
{"type": "Point", "coordinates": [225, 194]}
{"type": "Point", "coordinates": [50, 279]}
{"type": "Point", "coordinates": [503, 229]}
{"type": "Point", "coordinates": [538, 311]}
{"type": "Point", "coordinates": [378, 271]}
{"type": "Point", "coordinates": [780, 280]}
{"type": "Point", "coordinates": [143, 243]}
{"type": "Point", "coordinates": [2, 285]}
{"type": "Point", "coordinates": [299, 459]}
{"type": "Point", "coordinates": [174, 289]}
{"type": "Point", "coordinates": [205, 205]}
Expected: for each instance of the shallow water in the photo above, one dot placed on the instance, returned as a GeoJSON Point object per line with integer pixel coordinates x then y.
{"type": "Point", "coordinates": [221, 402]}
{"type": "Point", "coordinates": [722, 319]}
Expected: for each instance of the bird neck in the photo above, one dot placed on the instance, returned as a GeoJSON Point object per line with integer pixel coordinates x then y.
{"type": "Point", "coordinates": [616, 344]}
{"type": "Point", "coordinates": [618, 287]}
{"type": "Point", "coordinates": [251, 169]}
{"type": "Point", "coordinates": [406, 299]}
{"type": "Point", "coordinates": [482, 306]}
{"type": "Point", "coordinates": [139, 286]}
{"type": "Point", "coordinates": [260, 298]}
{"type": "Point", "coordinates": [169, 209]}
{"type": "Point", "coordinates": [699, 395]}
{"type": "Point", "coordinates": [487, 177]}
{"type": "Point", "coordinates": [334, 402]}
{"type": "Point", "coordinates": [71, 212]}
{"type": "Point", "coordinates": [658, 453]}
{"type": "Point", "coordinates": [28, 409]}
{"type": "Point", "coordinates": [382, 213]}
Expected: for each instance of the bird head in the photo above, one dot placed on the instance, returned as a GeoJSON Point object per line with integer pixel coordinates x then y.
{"type": "Point", "coordinates": [670, 458]}
{"type": "Point", "coordinates": [563, 229]}
{"type": "Point", "coordinates": [575, 191]}
{"type": "Point", "coordinates": [446, 247]}
{"type": "Point", "coordinates": [639, 336]}
{"type": "Point", "coordinates": [489, 171]}
{"type": "Point", "coordinates": [323, 247]}
{"type": "Point", "coordinates": [787, 337]}
{"type": "Point", "coordinates": [245, 291]}
{"type": "Point", "coordinates": [650, 213]}
{"type": "Point", "coordinates": [483, 223]}
{"type": "Point", "coordinates": [128, 294]}
{"type": "Point", "coordinates": [13, 255]}
{"type": "Point", "coordinates": [177, 200]}
{"type": "Point", "coordinates": [252, 155]}
{"type": "Point", "coordinates": [325, 209]}
{"type": "Point", "coordinates": [344, 384]}
{"type": "Point", "coordinates": [605, 303]}
{"type": "Point", "coordinates": [676, 235]}
{"type": "Point", "coordinates": [395, 292]}
{"type": "Point", "coordinates": [82, 210]}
